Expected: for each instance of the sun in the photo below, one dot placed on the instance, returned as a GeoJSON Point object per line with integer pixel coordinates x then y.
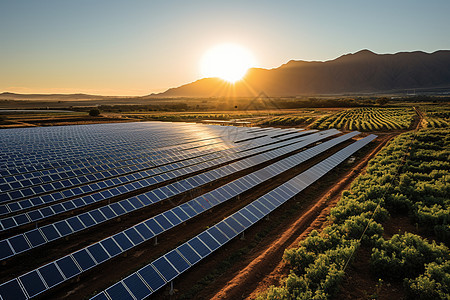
{"type": "Point", "coordinates": [229, 62]}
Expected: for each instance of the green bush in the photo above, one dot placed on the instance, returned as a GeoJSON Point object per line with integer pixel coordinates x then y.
{"type": "Point", "coordinates": [405, 256]}
{"type": "Point", "coordinates": [94, 112]}
{"type": "Point", "coordinates": [433, 284]}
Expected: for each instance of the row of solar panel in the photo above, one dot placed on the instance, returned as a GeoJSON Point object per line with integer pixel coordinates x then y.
{"type": "Point", "coordinates": [37, 237]}
{"type": "Point", "coordinates": [120, 148]}
{"type": "Point", "coordinates": [94, 166]}
{"type": "Point", "coordinates": [99, 158]}
{"type": "Point", "coordinates": [155, 275]}
{"type": "Point", "coordinates": [79, 164]}
{"type": "Point", "coordinates": [207, 242]}
{"type": "Point", "coordinates": [39, 214]}
{"type": "Point", "coordinates": [90, 183]}
{"type": "Point", "coordinates": [47, 183]}
{"type": "Point", "coordinates": [66, 153]}
{"type": "Point", "coordinates": [101, 175]}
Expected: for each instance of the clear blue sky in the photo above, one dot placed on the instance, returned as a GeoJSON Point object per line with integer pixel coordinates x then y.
{"type": "Point", "coordinates": [137, 47]}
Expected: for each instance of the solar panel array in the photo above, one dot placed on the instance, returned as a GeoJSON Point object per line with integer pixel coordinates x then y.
{"type": "Point", "coordinates": [39, 236]}
{"type": "Point", "coordinates": [123, 168]}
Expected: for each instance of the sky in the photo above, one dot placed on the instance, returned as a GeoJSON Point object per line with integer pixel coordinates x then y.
{"type": "Point", "coordinates": [112, 47]}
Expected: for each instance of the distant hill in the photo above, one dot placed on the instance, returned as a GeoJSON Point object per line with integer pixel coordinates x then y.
{"type": "Point", "coordinates": [48, 97]}
{"type": "Point", "coordinates": [360, 72]}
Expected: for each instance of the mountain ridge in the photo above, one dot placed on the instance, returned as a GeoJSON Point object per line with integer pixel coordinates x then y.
{"type": "Point", "coordinates": [361, 72]}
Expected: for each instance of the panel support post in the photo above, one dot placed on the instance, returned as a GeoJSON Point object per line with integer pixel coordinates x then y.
{"type": "Point", "coordinates": [155, 241]}
{"type": "Point", "coordinates": [171, 292]}
{"type": "Point", "coordinates": [243, 236]}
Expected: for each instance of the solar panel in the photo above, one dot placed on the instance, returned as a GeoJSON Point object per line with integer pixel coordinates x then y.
{"type": "Point", "coordinates": [204, 243]}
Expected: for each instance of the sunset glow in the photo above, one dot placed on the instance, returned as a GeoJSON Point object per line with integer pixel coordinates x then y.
{"type": "Point", "coordinates": [227, 61]}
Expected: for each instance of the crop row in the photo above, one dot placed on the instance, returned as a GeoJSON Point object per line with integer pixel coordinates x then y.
{"type": "Point", "coordinates": [436, 117]}
{"type": "Point", "coordinates": [287, 121]}
{"type": "Point", "coordinates": [368, 119]}
{"type": "Point", "coordinates": [408, 176]}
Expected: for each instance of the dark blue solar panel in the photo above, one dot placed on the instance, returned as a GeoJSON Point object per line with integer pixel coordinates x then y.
{"type": "Point", "coordinates": [125, 204]}
{"type": "Point", "coordinates": [172, 217]}
{"type": "Point", "coordinates": [8, 222]}
{"type": "Point", "coordinates": [163, 222]}
{"type": "Point", "coordinates": [246, 213]}
{"type": "Point", "coordinates": [117, 209]}
{"type": "Point", "coordinates": [136, 203]}
{"type": "Point", "coordinates": [219, 236]}
{"type": "Point", "coordinates": [153, 279]}
{"type": "Point", "coordinates": [243, 221]}
{"type": "Point", "coordinates": [75, 223]}
{"type": "Point", "coordinates": [180, 213]}
{"type": "Point", "coordinates": [11, 290]}
{"type": "Point", "coordinates": [154, 226]}
{"type": "Point", "coordinates": [199, 247]}
{"type": "Point", "coordinates": [188, 209]}
{"type": "Point", "coordinates": [111, 246]}
{"type": "Point", "coordinates": [37, 201]}
{"type": "Point", "coordinates": [46, 211]}
{"type": "Point", "coordinates": [68, 266]}
{"type": "Point", "coordinates": [68, 205]}
{"type": "Point", "coordinates": [57, 208]}
{"type": "Point", "coordinates": [123, 241]}
{"type": "Point", "coordinates": [144, 231]}
{"type": "Point", "coordinates": [19, 243]}
{"type": "Point", "coordinates": [134, 236]}
{"type": "Point", "coordinates": [21, 219]}
{"type": "Point", "coordinates": [194, 204]}
{"type": "Point", "coordinates": [233, 224]}
{"type": "Point", "coordinates": [189, 254]}
{"type": "Point", "coordinates": [266, 203]}
{"type": "Point", "coordinates": [204, 203]}
{"type": "Point", "coordinates": [98, 253]}
{"type": "Point", "coordinates": [5, 249]}
{"type": "Point", "coordinates": [107, 211]}
{"type": "Point", "coordinates": [63, 228]}
{"type": "Point", "coordinates": [51, 274]}
{"type": "Point", "coordinates": [119, 292]}
{"type": "Point", "coordinates": [32, 283]}
{"type": "Point", "coordinates": [165, 268]}
{"type": "Point", "coordinates": [86, 219]}
{"type": "Point", "coordinates": [137, 286]}
{"type": "Point", "coordinates": [177, 261]}
{"type": "Point", "coordinates": [261, 207]}
{"type": "Point", "coordinates": [226, 229]}
{"type": "Point", "coordinates": [78, 202]}
{"type": "Point", "coordinates": [144, 199]}
{"type": "Point", "coordinates": [208, 240]}
{"type": "Point", "coordinates": [98, 217]}
{"type": "Point", "coordinates": [35, 237]}
{"type": "Point", "coordinates": [84, 260]}
{"type": "Point", "coordinates": [159, 194]}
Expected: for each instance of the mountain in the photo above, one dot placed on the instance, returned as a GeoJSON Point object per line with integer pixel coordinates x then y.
{"type": "Point", "coordinates": [360, 72]}
{"type": "Point", "coordinates": [48, 97]}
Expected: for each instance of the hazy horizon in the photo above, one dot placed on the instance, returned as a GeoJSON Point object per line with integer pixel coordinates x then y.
{"type": "Point", "coordinates": [139, 47]}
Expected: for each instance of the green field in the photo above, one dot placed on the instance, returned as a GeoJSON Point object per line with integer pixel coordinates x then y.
{"type": "Point", "coordinates": [368, 119]}
{"type": "Point", "coordinates": [409, 177]}
{"type": "Point", "coordinates": [436, 116]}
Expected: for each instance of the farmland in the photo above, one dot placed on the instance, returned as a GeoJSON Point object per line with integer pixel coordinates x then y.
{"type": "Point", "coordinates": [409, 177]}
{"type": "Point", "coordinates": [436, 117]}
{"type": "Point", "coordinates": [368, 119]}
